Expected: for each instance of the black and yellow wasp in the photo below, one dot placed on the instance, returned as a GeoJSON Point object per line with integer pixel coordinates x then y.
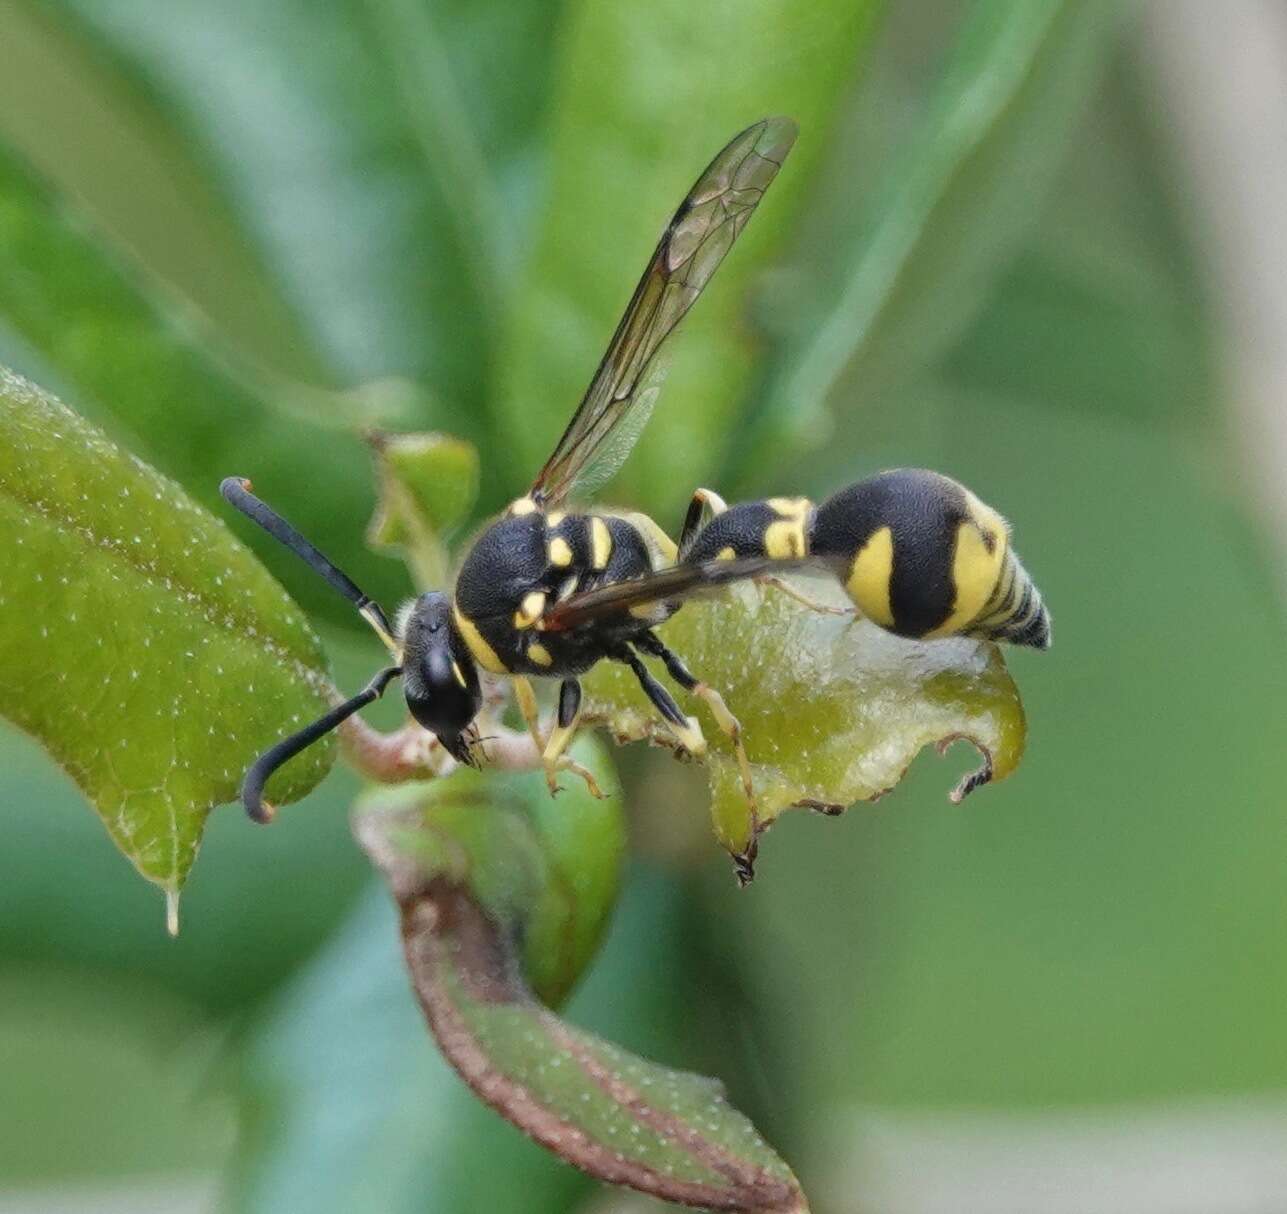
{"type": "Point", "coordinates": [550, 589]}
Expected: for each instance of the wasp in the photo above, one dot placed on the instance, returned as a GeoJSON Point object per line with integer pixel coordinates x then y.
{"type": "Point", "coordinates": [551, 588]}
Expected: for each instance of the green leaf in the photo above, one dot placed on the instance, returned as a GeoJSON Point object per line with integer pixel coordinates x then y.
{"type": "Point", "coordinates": [950, 211]}
{"type": "Point", "coordinates": [428, 486]}
{"type": "Point", "coordinates": [545, 869]}
{"type": "Point", "coordinates": [832, 710]}
{"type": "Point", "coordinates": [145, 648]}
{"type": "Point", "coordinates": [467, 875]}
{"type": "Point", "coordinates": [349, 1106]}
{"type": "Point", "coordinates": [130, 359]}
{"type": "Point", "coordinates": [95, 130]}
{"type": "Point", "coordinates": [638, 115]}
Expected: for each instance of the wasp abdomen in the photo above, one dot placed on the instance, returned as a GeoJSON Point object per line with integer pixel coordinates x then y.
{"type": "Point", "coordinates": [777, 527]}
{"type": "Point", "coordinates": [922, 556]}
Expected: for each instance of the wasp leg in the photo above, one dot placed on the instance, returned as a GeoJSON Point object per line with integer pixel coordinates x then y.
{"type": "Point", "coordinates": [706, 504]}
{"type": "Point", "coordinates": [728, 723]}
{"type": "Point", "coordinates": [526, 699]}
{"type": "Point", "coordinates": [686, 730]}
{"type": "Point", "coordinates": [800, 597]}
{"type": "Point", "coordinates": [553, 758]}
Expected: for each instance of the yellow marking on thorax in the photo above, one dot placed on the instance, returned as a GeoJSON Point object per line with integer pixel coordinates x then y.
{"type": "Point", "coordinates": [553, 520]}
{"type": "Point", "coordinates": [560, 552]}
{"type": "Point", "coordinates": [530, 610]}
{"type": "Point", "coordinates": [524, 505]}
{"type": "Point", "coordinates": [785, 539]}
{"type": "Point", "coordinates": [869, 577]}
{"type": "Point", "coordinates": [483, 653]}
{"type": "Point", "coordinates": [600, 543]}
{"type": "Point", "coordinates": [727, 553]}
{"type": "Point", "coordinates": [537, 653]}
{"type": "Point", "coordinates": [977, 559]}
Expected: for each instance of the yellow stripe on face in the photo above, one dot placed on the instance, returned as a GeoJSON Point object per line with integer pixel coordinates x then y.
{"type": "Point", "coordinates": [869, 576]}
{"type": "Point", "coordinates": [978, 556]}
{"type": "Point", "coordinates": [560, 552]}
{"type": "Point", "coordinates": [530, 610]}
{"type": "Point", "coordinates": [483, 653]}
{"type": "Point", "coordinates": [600, 543]}
{"type": "Point", "coordinates": [460, 675]}
{"type": "Point", "coordinates": [537, 653]}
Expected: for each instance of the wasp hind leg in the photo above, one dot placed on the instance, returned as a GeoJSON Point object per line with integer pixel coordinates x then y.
{"type": "Point", "coordinates": [706, 504]}
{"type": "Point", "coordinates": [800, 597]}
{"type": "Point", "coordinates": [728, 723]}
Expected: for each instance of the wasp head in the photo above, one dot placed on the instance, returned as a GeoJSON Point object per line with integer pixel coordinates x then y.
{"type": "Point", "coordinates": [438, 674]}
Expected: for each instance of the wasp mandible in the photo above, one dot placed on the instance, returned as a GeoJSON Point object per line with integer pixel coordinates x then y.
{"type": "Point", "coordinates": [550, 589]}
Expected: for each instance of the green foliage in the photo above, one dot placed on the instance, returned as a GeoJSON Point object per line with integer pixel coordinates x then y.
{"type": "Point", "coordinates": [341, 136]}
{"type": "Point", "coordinates": [545, 871]}
{"type": "Point", "coordinates": [832, 710]}
{"type": "Point", "coordinates": [122, 351]}
{"type": "Point", "coordinates": [957, 199]}
{"type": "Point", "coordinates": [474, 880]}
{"type": "Point", "coordinates": [145, 648]}
{"type": "Point", "coordinates": [339, 209]}
{"type": "Point", "coordinates": [637, 115]}
{"type": "Point", "coordinates": [428, 486]}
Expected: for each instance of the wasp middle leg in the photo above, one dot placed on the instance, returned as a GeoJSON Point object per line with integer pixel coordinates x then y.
{"type": "Point", "coordinates": [651, 644]}
{"type": "Point", "coordinates": [686, 731]}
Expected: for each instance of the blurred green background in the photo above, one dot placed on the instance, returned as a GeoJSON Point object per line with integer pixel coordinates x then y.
{"type": "Point", "coordinates": [1035, 245]}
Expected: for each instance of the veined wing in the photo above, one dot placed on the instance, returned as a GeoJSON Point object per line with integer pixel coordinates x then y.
{"type": "Point", "coordinates": [694, 244]}
{"type": "Point", "coordinates": [674, 584]}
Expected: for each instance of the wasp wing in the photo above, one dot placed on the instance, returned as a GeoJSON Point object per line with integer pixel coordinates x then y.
{"type": "Point", "coordinates": [701, 232]}
{"type": "Point", "coordinates": [672, 585]}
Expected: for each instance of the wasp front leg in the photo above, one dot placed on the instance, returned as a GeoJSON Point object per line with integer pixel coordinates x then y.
{"type": "Point", "coordinates": [526, 700]}
{"type": "Point", "coordinates": [553, 758]}
{"type": "Point", "coordinates": [728, 723]}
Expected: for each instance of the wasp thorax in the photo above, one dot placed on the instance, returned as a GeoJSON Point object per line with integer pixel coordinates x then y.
{"type": "Point", "coordinates": [438, 674]}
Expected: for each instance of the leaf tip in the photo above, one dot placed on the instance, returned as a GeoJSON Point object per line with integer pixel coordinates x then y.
{"type": "Point", "coordinates": [172, 912]}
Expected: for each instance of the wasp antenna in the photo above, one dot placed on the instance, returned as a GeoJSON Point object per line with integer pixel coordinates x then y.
{"type": "Point", "coordinates": [252, 787]}
{"type": "Point", "coordinates": [236, 492]}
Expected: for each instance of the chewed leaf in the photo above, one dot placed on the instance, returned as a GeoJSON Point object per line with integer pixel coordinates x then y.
{"type": "Point", "coordinates": [149, 652]}
{"type": "Point", "coordinates": [832, 708]}
{"type": "Point", "coordinates": [467, 881]}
